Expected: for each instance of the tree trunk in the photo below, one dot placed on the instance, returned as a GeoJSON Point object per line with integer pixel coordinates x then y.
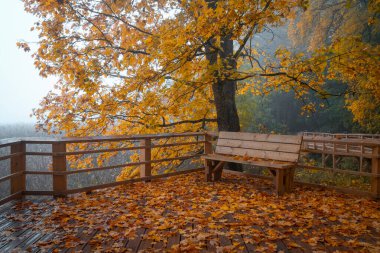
{"type": "Point", "coordinates": [226, 112]}
{"type": "Point", "coordinates": [225, 90]}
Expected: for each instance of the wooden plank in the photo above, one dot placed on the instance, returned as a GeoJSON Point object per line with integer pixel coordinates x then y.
{"type": "Point", "coordinates": [30, 241]}
{"type": "Point", "coordinates": [158, 246]}
{"type": "Point", "coordinates": [11, 155]}
{"type": "Point", "coordinates": [110, 138]}
{"type": "Point", "coordinates": [6, 222]}
{"type": "Point", "coordinates": [146, 243]}
{"type": "Point", "coordinates": [259, 145]}
{"type": "Point", "coordinates": [16, 195]}
{"type": "Point", "coordinates": [38, 172]}
{"type": "Point", "coordinates": [291, 139]}
{"type": "Point", "coordinates": [39, 153]}
{"type": "Point", "coordinates": [356, 149]}
{"type": "Point", "coordinates": [358, 142]}
{"type": "Point", "coordinates": [83, 152]}
{"type": "Point", "coordinates": [88, 246]}
{"type": "Point", "coordinates": [248, 245]}
{"type": "Point", "coordinates": [208, 170]}
{"type": "Point", "coordinates": [348, 172]}
{"type": "Point", "coordinates": [218, 166]}
{"type": "Point", "coordinates": [9, 141]}
{"type": "Point", "coordinates": [146, 155]}
{"type": "Point", "coordinates": [37, 248]}
{"type": "Point", "coordinates": [18, 166]}
{"type": "Point", "coordinates": [39, 193]}
{"type": "Point", "coordinates": [20, 238]}
{"type": "Point", "coordinates": [24, 232]}
{"type": "Point", "coordinates": [208, 144]}
{"type": "Point", "coordinates": [173, 240]}
{"type": "Point", "coordinates": [223, 239]}
{"type": "Point", "coordinates": [59, 164]}
{"type": "Point", "coordinates": [271, 164]}
{"type": "Point", "coordinates": [178, 144]}
{"type": "Point", "coordinates": [308, 150]}
{"type": "Point", "coordinates": [279, 182]}
{"type": "Point", "coordinates": [8, 207]}
{"type": "Point", "coordinates": [242, 246]}
{"type": "Point", "coordinates": [289, 179]}
{"type": "Point", "coordinates": [16, 228]}
{"type": "Point", "coordinates": [209, 241]}
{"type": "Point", "coordinates": [85, 238]}
{"type": "Point", "coordinates": [113, 166]}
{"type": "Point", "coordinates": [375, 181]}
{"type": "Point", "coordinates": [270, 155]}
{"type": "Point", "coordinates": [281, 247]}
{"type": "Point", "coordinates": [110, 242]}
{"type": "Point", "coordinates": [25, 235]}
{"type": "Point", "coordinates": [11, 176]}
{"type": "Point", "coordinates": [134, 243]}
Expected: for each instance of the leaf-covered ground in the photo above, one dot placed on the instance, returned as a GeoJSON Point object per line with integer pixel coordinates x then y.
{"type": "Point", "coordinates": [187, 214]}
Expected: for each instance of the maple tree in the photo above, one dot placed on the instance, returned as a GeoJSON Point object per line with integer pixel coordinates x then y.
{"type": "Point", "coordinates": [128, 67]}
{"type": "Point", "coordinates": [145, 65]}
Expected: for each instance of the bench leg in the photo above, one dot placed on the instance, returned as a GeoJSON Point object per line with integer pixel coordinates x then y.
{"type": "Point", "coordinates": [289, 179]}
{"type": "Point", "coordinates": [208, 170]}
{"type": "Point", "coordinates": [217, 171]}
{"type": "Point", "coordinates": [217, 175]}
{"type": "Point", "coordinates": [279, 182]}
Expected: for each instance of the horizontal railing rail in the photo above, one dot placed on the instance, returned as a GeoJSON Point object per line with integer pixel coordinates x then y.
{"type": "Point", "coordinates": [342, 135]}
{"type": "Point", "coordinates": [327, 146]}
{"type": "Point", "coordinates": [59, 154]}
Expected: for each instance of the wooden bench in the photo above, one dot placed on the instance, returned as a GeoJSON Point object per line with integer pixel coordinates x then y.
{"type": "Point", "coordinates": [278, 153]}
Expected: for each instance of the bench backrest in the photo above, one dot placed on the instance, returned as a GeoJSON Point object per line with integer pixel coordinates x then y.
{"type": "Point", "coordinates": [265, 146]}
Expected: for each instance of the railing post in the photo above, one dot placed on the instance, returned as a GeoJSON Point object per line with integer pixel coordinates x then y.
{"type": "Point", "coordinates": [207, 163]}
{"type": "Point", "coordinates": [18, 166]}
{"type": "Point", "coordinates": [59, 165]}
{"type": "Point", "coordinates": [146, 155]}
{"type": "Point", "coordinates": [208, 144]}
{"type": "Point", "coordinates": [375, 186]}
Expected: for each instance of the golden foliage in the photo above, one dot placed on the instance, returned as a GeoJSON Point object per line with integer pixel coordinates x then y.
{"type": "Point", "coordinates": [132, 67]}
{"type": "Point", "coordinates": [346, 33]}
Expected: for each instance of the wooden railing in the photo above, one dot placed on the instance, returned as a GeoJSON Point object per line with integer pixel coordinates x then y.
{"type": "Point", "coordinates": [335, 148]}
{"type": "Point", "coordinates": [59, 153]}
{"type": "Point", "coordinates": [341, 135]}
{"type": "Point", "coordinates": [361, 147]}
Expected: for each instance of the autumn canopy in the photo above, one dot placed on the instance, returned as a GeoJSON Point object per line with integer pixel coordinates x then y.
{"type": "Point", "coordinates": [140, 66]}
{"type": "Point", "coordinates": [174, 66]}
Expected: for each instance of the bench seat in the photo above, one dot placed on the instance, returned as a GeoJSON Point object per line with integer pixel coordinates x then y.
{"type": "Point", "coordinates": [278, 153]}
{"type": "Point", "coordinates": [269, 163]}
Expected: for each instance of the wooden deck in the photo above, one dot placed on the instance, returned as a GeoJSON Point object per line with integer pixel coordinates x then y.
{"type": "Point", "coordinates": [186, 214]}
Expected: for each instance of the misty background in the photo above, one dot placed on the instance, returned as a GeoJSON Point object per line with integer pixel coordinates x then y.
{"type": "Point", "coordinates": [21, 87]}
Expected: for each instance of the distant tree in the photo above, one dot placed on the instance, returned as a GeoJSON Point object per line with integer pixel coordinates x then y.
{"type": "Point", "coordinates": [345, 35]}
{"type": "Point", "coordinates": [279, 112]}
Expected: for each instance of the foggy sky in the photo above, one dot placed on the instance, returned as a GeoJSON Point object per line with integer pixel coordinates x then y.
{"type": "Point", "coordinates": [21, 88]}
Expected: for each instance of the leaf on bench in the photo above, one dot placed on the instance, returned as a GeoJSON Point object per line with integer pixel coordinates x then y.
{"type": "Point", "coordinates": [246, 157]}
